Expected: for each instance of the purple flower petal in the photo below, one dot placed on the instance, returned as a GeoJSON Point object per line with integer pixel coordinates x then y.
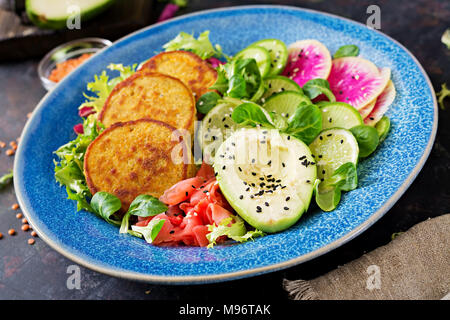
{"type": "Point", "coordinates": [168, 12]}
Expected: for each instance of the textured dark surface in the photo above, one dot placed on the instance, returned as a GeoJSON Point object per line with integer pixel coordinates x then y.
{"type": "Point", "coordinates": [38, 272]}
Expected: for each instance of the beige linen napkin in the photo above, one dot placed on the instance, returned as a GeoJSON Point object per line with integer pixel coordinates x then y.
{"type": "Point", "coordinates": [415, 265]}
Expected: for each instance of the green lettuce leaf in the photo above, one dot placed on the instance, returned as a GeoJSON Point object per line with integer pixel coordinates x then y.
{"type": "Point", "coordinates": [201, 46]}
{"type": "Point", "coordinates": [236, 231]}
{"type": "Point", "coordinates": [151, 231]}
{"type": "Point", "coordinates": [69, 166]}
{"type": "Point", "coordinates": [103, 85]}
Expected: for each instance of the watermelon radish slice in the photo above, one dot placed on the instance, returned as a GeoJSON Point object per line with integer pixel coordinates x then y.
{"type": "Point", "coordinates": [357, 81]}
{"type": "Point", "coordinates": [382, 104]}
{"type": "Point", "coordinates": [308, 59]}
{"type": "Point", "coordinates": [367, 109]}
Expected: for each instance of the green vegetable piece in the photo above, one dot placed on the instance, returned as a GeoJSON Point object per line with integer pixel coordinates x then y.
{"type": "Point", "coordinates": [251, 114]}
{"type": "Point", "coordinates": [446, 38]}
{"type": "Point", "coordinates": [232, 227]}
{"type": "Point", "coordinates": [260, 55]}
{"type": "Point", "coordinates": [349, 50]}
{"type": "Point", "coordinates": [327, 198]}
{"type": "Point", "coordinates": [146, 206]}
{"type": "Point", "coordinates": [106, 205]}
{"type": "Point", "coordinates": [345, 177]}
{"type": "Point", "coordinates": [306, 123]}
{"type": "Point", "coordinates": [207, 101]}
{"type": "Point", "coordinates": [151, 231]}
{"type": "Point", "coordinates": [313, 88]}
{"type": "Point", "coordinates": [367, 138]}
{"type": "Point", "coordinates": [143, 206]}
{"type": "Point", "coordinates": [6, 179]}
{"type": "Point", "coordinates": [201, 46]}
{"type": "Point", "coordinates": [444, 93]}
{"type": "Point", "coordinates": [383, 127]}
{"type": "Point", "coordinates": [239, 79]}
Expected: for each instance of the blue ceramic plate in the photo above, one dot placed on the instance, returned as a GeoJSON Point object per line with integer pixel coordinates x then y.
{"type": "Point", "coordinates": [384, 177]}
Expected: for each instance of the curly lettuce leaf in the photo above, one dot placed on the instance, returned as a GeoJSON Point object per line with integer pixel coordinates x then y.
{"type": "Point", "coordinates": [201, 46]}
{"type": "Point", "coordinates": [69, 167]}
{"type": "Point", "coordinates": [232, 227]}
{"type": "Point", "coordinates": [103, 85]}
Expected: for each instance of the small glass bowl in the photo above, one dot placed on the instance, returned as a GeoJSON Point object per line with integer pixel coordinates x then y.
{"type": "Point", "coordinates": [66, 51]}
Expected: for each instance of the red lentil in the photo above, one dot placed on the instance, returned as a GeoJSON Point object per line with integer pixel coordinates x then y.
{"type": "Point", "coordinates": [31, 241]}
{"type": "Point", "coordinates": [15, 206]}
{"type": "Point", "coordinates": [10, 152]}
{"type": "Point", "coordinates": [1, 235]}
{"type": "Point", "coordinates": [11, 232]}
{"type": "Point", "coordinates": [24, 220]}
{"type": "Point", "coordinates": [33, 233]}
{"type": "Point", "coordinates": [64, 68]}
{"type": "Point", "coordinates": [25, 227]}
{"type": "Point", "coordinates": [19, 216]}
{"type": "Point", "coordinates": [2, 144]}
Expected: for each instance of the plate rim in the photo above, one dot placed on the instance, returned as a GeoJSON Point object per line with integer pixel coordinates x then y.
{"type": "Point", "coordinates": [218, 277]}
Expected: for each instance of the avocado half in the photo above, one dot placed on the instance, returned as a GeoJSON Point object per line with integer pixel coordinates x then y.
{"type": "Point", "coordinates": [49, 14]}
{"type": "Point", "coordinates": [266, 176]}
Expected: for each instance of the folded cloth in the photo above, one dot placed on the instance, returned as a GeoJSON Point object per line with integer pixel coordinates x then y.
{"type": "Point", "coordinates": [414, 265]}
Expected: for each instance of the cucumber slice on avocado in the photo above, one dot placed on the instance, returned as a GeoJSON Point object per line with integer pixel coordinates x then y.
{"type": "Point", "coordinates": [278, 54]}
{"type": "Point", "coordinates": [261, 56]}
{"type": "Point", "coordinates": [50, 14]}
{"type": "Point", "coordinates": [339, 115]}
{"type": "Point", "coordinates": [275, 84]}
{"type": "Point", "coordinates": [266, 176]}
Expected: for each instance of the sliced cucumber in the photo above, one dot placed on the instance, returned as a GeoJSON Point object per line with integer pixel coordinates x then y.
{"type": "Point", "coordinates": [275, 84]}
{"type": "Point", "coordinates": [278, 54]}
{"type": "Point", "coordinates": [50, 14]}
{"type": "Point", "coordinates": [383, 127]}
{"type": "Point", "coordinates": [339, 115]}
{"type": "Point", "coordinates": [261, 56]}
{"type": "Point", "coordinates": [285, 103]}
{"type": "Point", "coordinates": [216, 127]}
{"type": "Point", "coordinates": [331, 149]}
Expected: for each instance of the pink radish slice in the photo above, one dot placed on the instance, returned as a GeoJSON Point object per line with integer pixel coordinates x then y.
{"type": "Point", "coordinates": [382, 105]}
{"type": "Point", "coordinates": [308, 59]}
{"type": "Point", "coordinates": [367, 109]}
{"type": "Point", "coordinates": [357, 81]}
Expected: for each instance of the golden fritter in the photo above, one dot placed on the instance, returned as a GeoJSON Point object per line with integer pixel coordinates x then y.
{"type": "Point", "coordinates": [143, 156]}
{"type": "Point", "coordinates": [150, 95]}
{"type": "Point", "coordinates": [196, 73]}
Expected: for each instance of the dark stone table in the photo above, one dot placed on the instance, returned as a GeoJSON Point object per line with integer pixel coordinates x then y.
{"type": "Point", "coordinates": [38, 272]}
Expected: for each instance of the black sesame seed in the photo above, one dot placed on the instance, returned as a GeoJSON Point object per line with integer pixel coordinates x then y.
{"type": "Point", "coordinates": [187, 193]}
{"type": "Point", "coordinates": [342, 141]}
{"type": "Point", "coordinates": [329, 135]}
{"type": "Point", "coordinates": [172, 231]}
{"type": "Point", "coordinates": [223, 168]}
{"type": "Point", "coordinates": [286, 208]}
{"type": "Point", "coordinates": [289, 137]}
{"type": "Point", "coordinates": [253, 160]}
{"type": "Point", "coordinates": [253, 173]}
{"type": "Point", "coordinates": [226, 126]}
{"type": "Point", "coordinates": [206, 191]}
{"type": "Point", "coordinates": [302, 157]}
{"type": "Point", "coordinates": [320, 156]}
{"type": "Point", "coordinates": [323, 171]}
{"type": "Point", "coordinates": [240, 169]}
{"type": "Point", "coordinates": [193, 187]}
{"type": "Point", "coordinates": [248, 189]}
{"type": "Point", "coordinates": [308, 181]}
{"type": "Point", "coordinates": [213, 137]}
{"type": "Point", "coordinates": [320, 137]}
{"type": "Point", "coordinates": [283, 164]}
{"type": "Point", "coordinates": [330, 120]}
{"type": "Point", "coordinates": [288, 198]}
{"type": "Point", "coordinates": [241, 197]}
{"type": "Point", "coordinates": [269, 163]}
